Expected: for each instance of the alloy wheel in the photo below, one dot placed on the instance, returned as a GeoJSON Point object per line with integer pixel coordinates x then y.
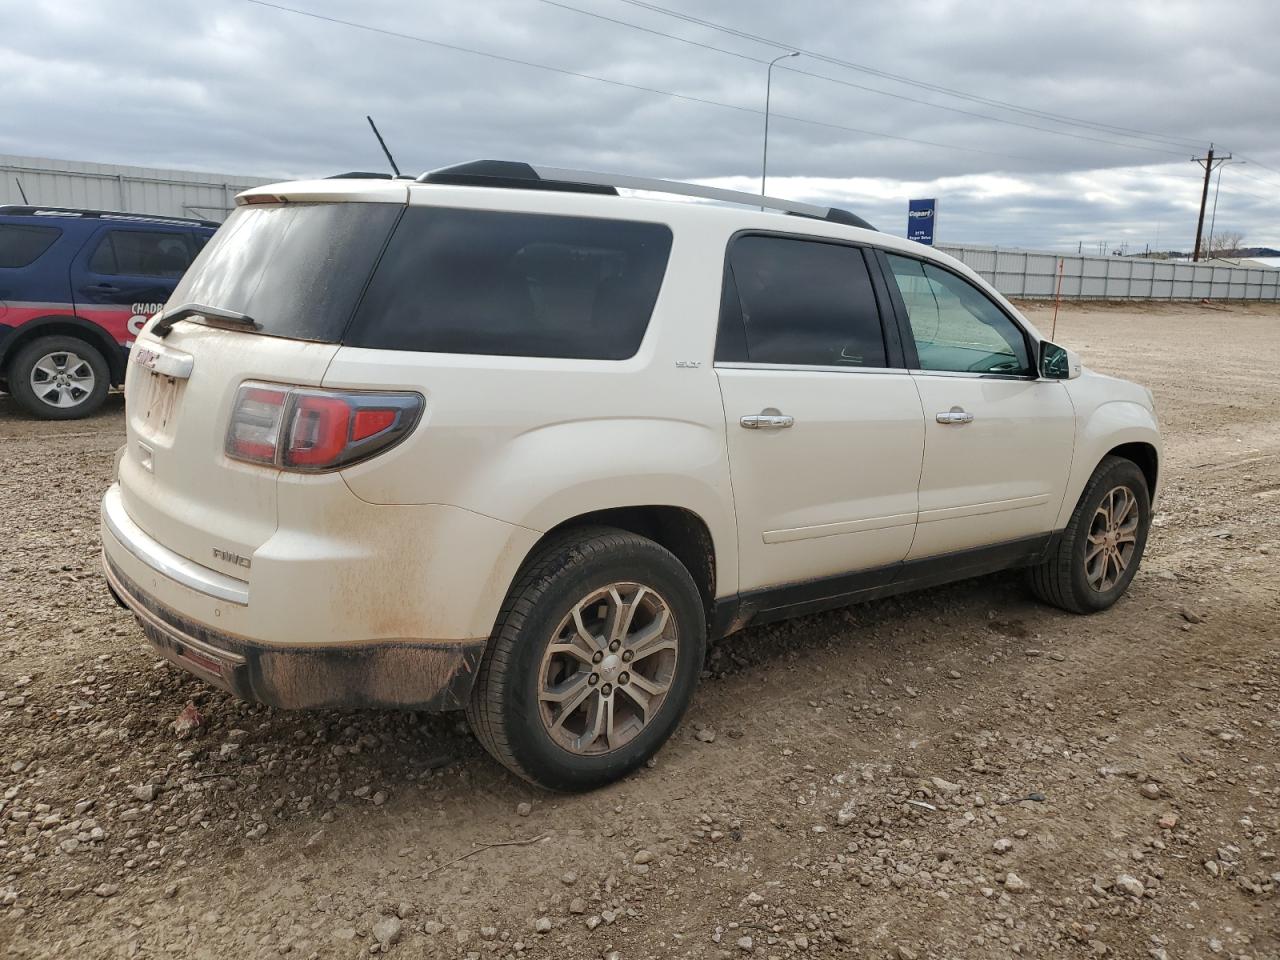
{"type": "Point", "coordinates": [1113, 539]}
{"type": "Point", "coordinates": [607, 668]}
{"type": "Point", "coordinates": [62, 379]}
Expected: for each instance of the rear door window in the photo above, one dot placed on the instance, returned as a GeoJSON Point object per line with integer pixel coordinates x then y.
{"type": "Point", "coordinates": [514, 284]}
{"type": "Point", "coordinates": [22, 245]}
{"type": "Point", "coordinates": [794, 301]}
{"type": "Point", "coordinates": [141, 253]}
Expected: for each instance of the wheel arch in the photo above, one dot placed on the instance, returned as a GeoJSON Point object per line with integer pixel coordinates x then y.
{"type": "Point", "coordinates": [1120, 428]}
{"type": "Point", "coordinates": [1145, 456]}
{"type": "Point", "coordinates": [68, 326]}
{"type": "Point", "coordinates": [678, 529]}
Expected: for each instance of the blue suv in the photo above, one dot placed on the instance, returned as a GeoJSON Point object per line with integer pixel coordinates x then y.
{"type": "Point", "coordinates": [76, 286]}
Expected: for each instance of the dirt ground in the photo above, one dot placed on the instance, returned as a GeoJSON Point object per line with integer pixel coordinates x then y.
{"type": "Point", "coordinates": [958, 773]}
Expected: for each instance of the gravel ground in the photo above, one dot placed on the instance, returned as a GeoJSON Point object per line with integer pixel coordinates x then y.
{"type": "Point", "coordinates": [958, 773]}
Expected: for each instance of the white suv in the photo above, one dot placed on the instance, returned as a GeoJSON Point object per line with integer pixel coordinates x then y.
{"type": "Point", "coordinates": [503, 440]}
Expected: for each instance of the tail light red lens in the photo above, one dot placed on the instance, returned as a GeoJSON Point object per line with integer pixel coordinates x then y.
{"type": "Point", "coordinates": [319, 432]}
{"type": "Point", "coordinates": [369, 423]}
{"type": "Point", "coordinates": [311, 430]}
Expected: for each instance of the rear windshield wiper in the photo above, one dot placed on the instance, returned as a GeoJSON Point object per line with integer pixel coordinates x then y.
{"type": "Point", "coordinates": [186, 310]}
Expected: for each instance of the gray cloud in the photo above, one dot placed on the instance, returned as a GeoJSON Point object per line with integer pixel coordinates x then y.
{"type": "Point", "coordinates": [233, 86]}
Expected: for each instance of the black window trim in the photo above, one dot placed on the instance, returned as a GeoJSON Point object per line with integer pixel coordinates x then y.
{"type": "Point", "coordinates": [903, 323]}
{"type": "Point", "coordinates": [895, 357]}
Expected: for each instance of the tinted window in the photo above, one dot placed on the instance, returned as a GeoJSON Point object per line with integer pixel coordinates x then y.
{"type": "Point", "coordinates": [297, 269]}
{"type": "Point", "coordinates": [799, 302]}
{"type": "Point", "coordinates": [955, 325]}
{"type": "Point", "coordinates": [515, 284]}
{"type": "Point", "coordinates": [141, 253]}
{"type": "Point", "coordinates": [21, 245]}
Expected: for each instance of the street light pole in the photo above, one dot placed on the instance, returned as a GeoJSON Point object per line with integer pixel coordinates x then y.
{"type": "Point", "coordinates": [1213, 218]}
{"type": "Point", "coordinates": [768, 90]}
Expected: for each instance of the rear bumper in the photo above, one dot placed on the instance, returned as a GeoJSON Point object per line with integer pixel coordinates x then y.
{"type": "Point", "coordinates": [386, 674]}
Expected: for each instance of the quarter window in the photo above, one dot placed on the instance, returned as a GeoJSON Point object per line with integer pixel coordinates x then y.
{"type": "Point", "coordinates": [141, 253]}
{"type": "Point", "coordinates": [956, 327]}
{"type": "Point", "coordinates": [21, 245]}
{"type": "Point", "coordinates": [792, 301]}
{"type": "Point", "coordinates": [514, 284]}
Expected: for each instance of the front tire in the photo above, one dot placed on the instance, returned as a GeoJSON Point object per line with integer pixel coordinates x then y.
{"type": "Point", "coordinates": [59, 378]}
{"type": "Point", "coordinates": [593, 661]}
{"type": "Point", "coordinates": [1100, 550]}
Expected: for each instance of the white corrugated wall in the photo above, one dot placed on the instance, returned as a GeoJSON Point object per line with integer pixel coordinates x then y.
{"type": "Point", "coordinates": [1032, 274]}
{"type": "Point", "coordinates": [103, 186]}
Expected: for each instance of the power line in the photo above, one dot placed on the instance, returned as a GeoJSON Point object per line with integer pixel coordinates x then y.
{"type": "Point", "coordinates": [622, 83]}
{"type": "Point", "coordinates": [1258, 163]}
{"type": "Point", "coordinates": [937, 88]}
{"type": "Point", "coordinates": [1235, 191]}
{"type": "Point", "coordinates": [1266, 183]}
{"type": "Point", "coordinates": [855, 86]}
{"type": "Point", "coordinates": [1249, 176]}
{"type": "Point", "coordinates": [680, 96]}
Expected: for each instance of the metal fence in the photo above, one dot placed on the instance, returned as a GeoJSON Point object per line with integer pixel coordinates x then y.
{"type": "Point", "coordinates": [1024, 273]}
{"type": "Point", "coordinates": [170, 193]}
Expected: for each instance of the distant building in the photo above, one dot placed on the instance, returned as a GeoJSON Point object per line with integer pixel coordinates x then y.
{"type": "Point", "coordinates": [101, 186]}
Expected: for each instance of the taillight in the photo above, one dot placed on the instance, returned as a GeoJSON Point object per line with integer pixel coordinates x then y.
{"type": "Point", "coordinates": [320, 431]}
{"type": "Point", "coordinates": [309, 430]}
{"type": "Point", "coordinates": [254, 433]}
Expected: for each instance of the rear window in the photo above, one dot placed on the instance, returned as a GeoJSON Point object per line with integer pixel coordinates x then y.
{"type": "Point", "coordinates": [297, 269]}
{"type": "Point", "coordinates": [514, 284]}
{"type": "Point", "coordinates": [21, 245]}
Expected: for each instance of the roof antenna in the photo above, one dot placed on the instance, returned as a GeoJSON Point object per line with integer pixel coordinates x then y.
{"type": "Point", "coordinates": [383, 144]}
{"type": "Point", "coordinates": [25, 201]}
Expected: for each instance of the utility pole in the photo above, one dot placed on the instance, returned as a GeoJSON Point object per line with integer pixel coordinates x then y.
{"type": "Point", "coordinates": [1208, 163]}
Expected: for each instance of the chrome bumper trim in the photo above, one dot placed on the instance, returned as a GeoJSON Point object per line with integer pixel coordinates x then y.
{"type": "Point", "coordinates": [163, 560]}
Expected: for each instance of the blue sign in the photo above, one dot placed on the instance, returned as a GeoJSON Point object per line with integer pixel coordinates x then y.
{"type": "Point", "coordinates": [921, 216]}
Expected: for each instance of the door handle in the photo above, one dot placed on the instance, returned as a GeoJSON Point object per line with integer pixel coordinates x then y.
{"type": "Point", "coordinates": [767, 419]}
{"type": "Point", "coordinates": [955, 415]}
{"type": "Point", "coordinates": [106, 287]}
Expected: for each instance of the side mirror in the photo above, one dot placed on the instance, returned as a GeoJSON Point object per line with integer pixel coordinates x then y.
{"type": "Point", "coordinates": [1058, 363]}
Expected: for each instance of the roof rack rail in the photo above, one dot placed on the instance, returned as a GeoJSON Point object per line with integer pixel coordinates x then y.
{"type": "Point", "coordinates": [34, 210]}
{"type": "Point", "coordinates": [524, 176]}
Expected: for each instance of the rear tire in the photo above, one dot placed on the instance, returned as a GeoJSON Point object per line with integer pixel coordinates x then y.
{"type": "Point", "coordinates": [1102, 546]}
{"type": "Point", "coordinates": [598, 624]}
{"type": "Point", "coordinates": [59, 378]}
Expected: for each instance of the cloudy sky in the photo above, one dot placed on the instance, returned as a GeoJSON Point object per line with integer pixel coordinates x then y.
{"type": "Point", "coordinates": [1035, 124]}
